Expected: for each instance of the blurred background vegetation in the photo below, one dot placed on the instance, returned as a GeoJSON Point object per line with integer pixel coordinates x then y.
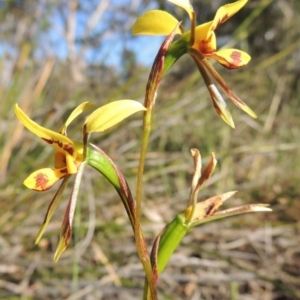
{"type": "Point", "coordinates": [57, 54]}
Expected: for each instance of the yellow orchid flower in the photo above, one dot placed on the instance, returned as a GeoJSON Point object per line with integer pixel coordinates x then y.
{"type": "Point", "coordinates": [205, 39]}
{"type": "Point", "coordinates": [69, 157]}
{"type": "Point", "coordinates": [199, 42]}
{"type": "Point", "coordinates": [202, 37]}
{"type": "Point", "coordinates": [68, 154]}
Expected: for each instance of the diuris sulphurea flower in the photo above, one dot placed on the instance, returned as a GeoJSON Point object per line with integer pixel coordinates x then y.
{"type": "Point", "coordinates": [201, 44]}
{"type": "Point", "coordinates": [70, 157]}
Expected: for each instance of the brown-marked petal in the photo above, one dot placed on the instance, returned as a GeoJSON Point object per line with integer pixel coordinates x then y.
{"type": "Point", "coordinates": [58, 141]}
{"type": "Point", "coordinates": [225, 12]}
{"type": "Point", "coordinates": [230, 58]}
{"type": "Point", "coordinates": [44, 179]}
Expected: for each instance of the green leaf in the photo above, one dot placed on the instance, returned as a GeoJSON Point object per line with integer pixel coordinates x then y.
{"type": "Point", "coordinates": [99, 160]}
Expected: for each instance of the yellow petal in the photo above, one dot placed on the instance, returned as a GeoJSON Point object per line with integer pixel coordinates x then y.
{"type": "Point", "coordinates": [44, 179]}
{"type": "Point", "coordinates": [230, 58]}
{"type": "Point", "coordinates": [111, 114]}
{"type": "Point", "coordinates": [71, 165]}
{"type": "Point", "coordinates": [60, 142]}
{"type": "Point", "coordinates": [225, 12]}
{"type": "Point", "coordinates": [186, 5]}
{"type": "Point", "coordinates": [155, 22]}
{"type": "Point", "coordinates": [75, 113]}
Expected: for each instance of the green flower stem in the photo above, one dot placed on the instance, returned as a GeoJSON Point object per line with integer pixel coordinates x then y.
{"type": "Point", "coordinates": [144, 255]}
{"type": "Point", "coordinates": [170, 239]}
{"type": "Point", "coordinates": [155, 77]}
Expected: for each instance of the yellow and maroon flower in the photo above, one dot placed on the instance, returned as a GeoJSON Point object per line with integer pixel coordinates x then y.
{"type": "Point", "coordinates": [68, 154]}
{"type": "Point", "coordinates": [200, 42]}
{"type": "Point", "coordinates": [69, 157]}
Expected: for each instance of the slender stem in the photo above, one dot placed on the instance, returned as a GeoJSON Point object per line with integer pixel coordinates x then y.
{"type": "Point", "coordinates": [151, 90]}
{"type": "Point", "coordinates": [156, 74]}
{"type": "Point", "coordinates": [143, 254]}
{"type": "Point", "coordinates": [147, 124]}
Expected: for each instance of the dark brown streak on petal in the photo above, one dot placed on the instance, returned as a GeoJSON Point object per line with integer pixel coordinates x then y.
{"type": "Point", "coordinates": [220, 21]}
{"type": "Point", "coordinates": [63, 171]}
{"type": "Point", "coordinates": [68, 148]}
{"type": "Point", "coordinates": [48, 141]}
{"type": "Point", "coordinates": [210, 210]}
{"type": "Point", "coordinates": [224, 19]}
